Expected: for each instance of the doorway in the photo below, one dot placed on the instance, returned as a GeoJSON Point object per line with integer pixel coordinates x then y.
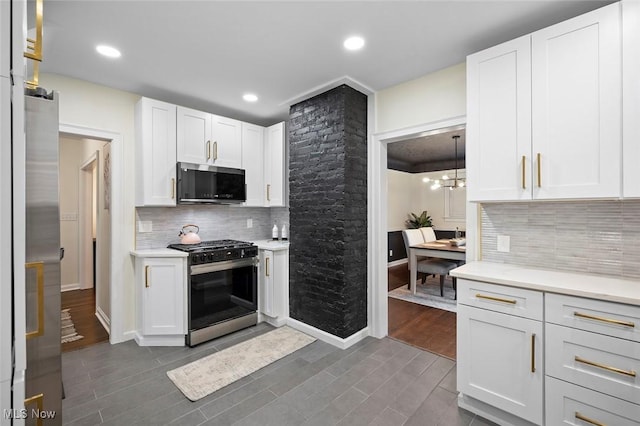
{"type": "Point", "coordinates": [85, 229]}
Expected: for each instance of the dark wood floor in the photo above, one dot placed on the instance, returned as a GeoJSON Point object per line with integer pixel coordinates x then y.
{"type": "Point", "coordinates": [83, 307]}
{"type": "Point", "coordinates": [427, 328]}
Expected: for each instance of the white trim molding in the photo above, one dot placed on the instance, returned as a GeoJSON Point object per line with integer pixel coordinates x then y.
{"type": "Point", "coordinates": [327, 337]}
{"type": "Point", "coordinates": [377, 215]}
{"type": "Point", "coordinates": [104, 319]}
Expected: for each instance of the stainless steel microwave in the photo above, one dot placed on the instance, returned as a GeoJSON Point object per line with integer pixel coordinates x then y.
{"type": "Point", "coordinates": [202, 183]}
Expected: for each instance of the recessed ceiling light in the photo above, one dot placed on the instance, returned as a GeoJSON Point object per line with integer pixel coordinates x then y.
{"type": "Point", "coordinates": [354, 43]}
{"type": "Point", "coordinates": [108, 51]}
{"type": "Point", "coordinates": [249, 97]}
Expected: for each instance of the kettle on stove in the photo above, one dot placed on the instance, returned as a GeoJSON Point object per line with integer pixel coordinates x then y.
{"type": "Point", "coordinates": [189, 236]}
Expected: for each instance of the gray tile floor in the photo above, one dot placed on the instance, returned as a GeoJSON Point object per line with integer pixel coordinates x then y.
{"type": "Point", "coordinates": [375, 382]}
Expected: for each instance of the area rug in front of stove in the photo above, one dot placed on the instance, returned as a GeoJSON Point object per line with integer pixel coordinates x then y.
{"type": "Point", "coordinates": [205, 376]}
{"type": "Point", "coordinates": [68, 331]}
{"type": "Point", "coordinates": [428, 295]}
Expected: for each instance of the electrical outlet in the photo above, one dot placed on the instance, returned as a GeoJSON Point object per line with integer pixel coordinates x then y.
{"type": "Point", "coordinates": [504, 242]}
{"type": "Point", "coordinates": [390, 253]}
{"type": "Point", "coordinates": [145, 226]}
{"type": "Point", "coordinates": [249, 223]}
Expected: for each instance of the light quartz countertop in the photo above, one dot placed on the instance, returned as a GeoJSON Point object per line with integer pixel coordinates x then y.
{"type": "Point", "coordinates": [159, 252]}
{"type": "Point", "coordinates": [273, 245]}
{"type": "Point", "coordinates": [583, 285]}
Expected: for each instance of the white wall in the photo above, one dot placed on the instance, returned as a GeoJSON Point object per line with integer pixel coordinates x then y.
{"type": "Point", "coordinates": [407, 193]}
{"type": "Point", "coordinates": [99, 107]}
{"type": "Point", "coordinates": [433, 97]}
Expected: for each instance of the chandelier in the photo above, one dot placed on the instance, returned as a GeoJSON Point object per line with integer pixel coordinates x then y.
{"type": "Point", "coordinates": [457, 181]}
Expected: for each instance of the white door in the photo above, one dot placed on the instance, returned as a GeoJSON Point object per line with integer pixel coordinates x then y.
{"type": "Point", "coordinates": [193, 136]}
{"type": "Point", "coordinates": [163, 296]}
{"type": "Point", "coordinates": [499, 122]}
{"type": "Point", "coordinates": [226, 142]}
{"type": "Point", "coordinates": [631, 97]}
{"type": "Point", "coordinates": [500, 361]}
{"type": "Point", "coordinates": [576, 106]}
{"type": "Point", "coordinates": [266, 281]}
{"type": "Point", "coordinates": [5, 54]}
{"type": "Point", "coordinates": [253, 163]}
{"type": "Point", "coordinates": [275, 166]}
{"type": "Point", "coordinates": [157, 149]}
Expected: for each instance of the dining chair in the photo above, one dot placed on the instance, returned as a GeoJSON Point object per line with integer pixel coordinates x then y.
{"type": "Point", "coordinates": [428, 234]}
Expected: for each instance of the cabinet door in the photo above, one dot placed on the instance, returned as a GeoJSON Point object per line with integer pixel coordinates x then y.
{"type": "Point", "coordinates": [275, 166]}
{"type": "Point", "coordinates": [631, 97]}
{"type": "Point", "coordinates": [163, 296]}
{"type": "Point", "coordinates": [226, 142]}
{"type": "Point", "coordinates": [194, 136]}
{"type": "Point", "coordinates": [266, 283]}
{"type": "Point", "coordinates": [253, 163]}
{"type": "Point", "coordinates": [576, 106]}
{"type": "Point", "coordinates": [6, 284]}
{"type": "Point", "coordinates": [500, 361]}
{"type": "Point", "coordinates": [155, 153]}
{"type": "Point", "coordinates": [499, 122]}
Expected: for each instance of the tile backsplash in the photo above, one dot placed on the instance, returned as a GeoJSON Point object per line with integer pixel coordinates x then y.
{"type": "Point", "coordinates": [598, 237]}
{"type": "Point", "coordinates": [215, 222]}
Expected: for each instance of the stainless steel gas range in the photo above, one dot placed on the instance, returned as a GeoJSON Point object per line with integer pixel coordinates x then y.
{"type": "Point", "coordinates": [222, 283]}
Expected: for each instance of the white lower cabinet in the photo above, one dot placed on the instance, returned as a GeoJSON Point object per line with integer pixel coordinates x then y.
{"type": "Point", "coordinates": [500, 361]}
{"type": "Point", "coordinates": [273, 286]}
{"type": "Point", "coordinates": [161, 301]}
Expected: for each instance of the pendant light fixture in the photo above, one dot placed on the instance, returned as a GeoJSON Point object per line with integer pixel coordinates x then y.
{"type": "Point", "coordinates": [457, 181]}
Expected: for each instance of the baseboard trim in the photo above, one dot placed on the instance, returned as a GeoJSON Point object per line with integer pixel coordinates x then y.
{"type": "Point", "coordinates": [70, 287]}
{"type": "Point", "coordinates": [397, 262]}
{"type": "Point", "coordinates": [159, 340]}
{"type": "Point", "coordinates": [489, 412]}
{"type": "Point", "coordinates": [104, 320]}
{"type": "Point", "coordinates": [327, 337]}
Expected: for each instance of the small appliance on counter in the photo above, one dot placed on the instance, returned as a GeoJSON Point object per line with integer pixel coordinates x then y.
{"type": "Point", "coordinates": [222, 282]}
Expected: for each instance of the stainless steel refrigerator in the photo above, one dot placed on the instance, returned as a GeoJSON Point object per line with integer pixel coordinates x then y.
{"type": "Point", "coordinates": [43, 374]}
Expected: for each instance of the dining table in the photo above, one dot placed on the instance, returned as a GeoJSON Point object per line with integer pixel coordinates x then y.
{"type": "Point", "coordinates": [441, 249]}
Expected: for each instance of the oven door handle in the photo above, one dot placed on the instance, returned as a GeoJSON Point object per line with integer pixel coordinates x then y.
{"type": "Point", "coordinates": [206, 268]}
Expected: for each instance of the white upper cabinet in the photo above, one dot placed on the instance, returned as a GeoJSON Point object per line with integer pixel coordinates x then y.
{"type": "Point", "coordinates": [226, 142]}
{"type": "Point", "coordinates": [205, 138]}
{"type": "Point", "coordinates": [631, 97]}
{"type": "Point", "coordinates": [499, 122]}
{"type": "Point", "coordinates": [155, 153]}
{"type": "Point", "coordinates": [275, 167]}
{"type": "Point", "coordinates": [576, 106]}
{"type": "Point", "coordinates": [550, 130]}
{"type": "Point", "coordinates": [194, 136]}
{"type": "Point", "coordinates": [5, 51]}
{"type": "Point", "coordinates": [253, 163]}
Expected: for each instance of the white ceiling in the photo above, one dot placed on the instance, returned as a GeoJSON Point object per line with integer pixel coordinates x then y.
{"type": "Point", "coordinates": [206, 54]}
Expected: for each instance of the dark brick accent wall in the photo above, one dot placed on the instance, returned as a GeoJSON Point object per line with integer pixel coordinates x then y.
{"type": "Point", "coordinates": [328, 211]}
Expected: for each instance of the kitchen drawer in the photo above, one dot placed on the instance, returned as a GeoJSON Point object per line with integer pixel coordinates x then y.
{"type": "Point", "coordinates": [568, 404]}
{"type": "Point", "coordinates": [602, 363]}
{"type": "Point", "coordinates": [507, 300]}
{"type": "Point", "coordinates": [612, 319]}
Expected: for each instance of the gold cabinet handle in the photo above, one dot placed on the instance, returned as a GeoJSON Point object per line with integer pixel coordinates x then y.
{"type": "Point", "coordinates": [39, 267]}
{"type": "Point", "coordinates": [524, 184]}
{"type": "Point", "coordinates": [173, 188]}
{"type": "Point", "coordinates": [35, 46]}
{"type": "Point", "coordinates": [533, 352]}
{"type": "Point", "coordinates": [266, 269]}
{"type": "Point", "coordinates": [603, 319]}
{"type": "Point", "coordinates": [39, 401]}
{"type": "Point", "coordinates": [146, 276]}
{"type": "Point", "coordinates": [208, 150]}
{"type": "Point", "coordinates": [539, 173]}
{"type": "Point", "coordinates": [629, 373]}
{"type": "Point", "coordinates": [215, 150]}
{"type": "Point", "coordinates": [268, 192]}
{"type": "Point", "coordinates": [588, 420]}
{"type": "Point", "coordinates": [496, 299]}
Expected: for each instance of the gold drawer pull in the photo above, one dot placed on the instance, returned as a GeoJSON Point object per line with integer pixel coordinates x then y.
{"type": "Point", "coordinates": [609, 320]}
{"type": "Point", "coordinates": [539, 173]}
{"type": "Point", "coordinates": [208, 150]}
{"type": "Point", "coordinates": [215, 150]}
{"type": "Point", "coordinates": [524, 185]}
{"type": "Point", "coordinates": [268, 192]}
{"type": "Point", "coordinates": [496, 299]}
{"type": "Point", "coordinates": [173, 188]}
{"type": "Point", "coordinates": [630, 373]}
{"type": "Point", "coordinates": [146, 276]}
{"type": "Point", "coordinates": [533, 352]}
{"type": "Point", "coordinates": [39, 267]}
{"type": "Point", "coordinates": [266, 269]}
{"type": "Point", "coordinates": [588, 420]}
{"type": "Point", "coordinates": [39, 401]}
